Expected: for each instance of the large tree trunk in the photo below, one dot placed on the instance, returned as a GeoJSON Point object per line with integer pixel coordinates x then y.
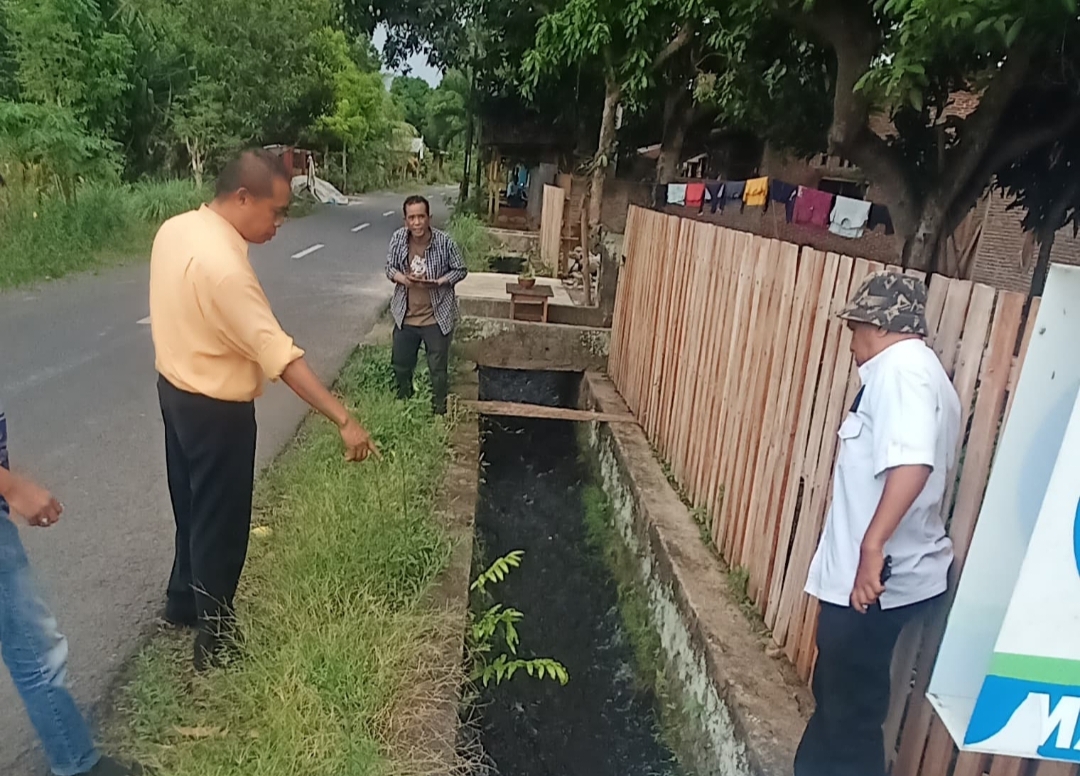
{"type": "Point", "coordinates": [1054, 220]}
{"type": "Point", "coordinates": [678, 117]}
{"type": "Point", "coordinates": [344, 168]}
{"type": "Point", "coordinates": [604, 150]}
{"type": "Point", "coordinates": [470, 124]}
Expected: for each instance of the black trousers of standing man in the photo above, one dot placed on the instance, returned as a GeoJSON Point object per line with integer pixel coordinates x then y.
{"type": "Point", "coordinates": [406, 349]}
{"type": "Point", "coordinates": [210, 457]}
{"type": "Point", "coordinates": [852, 688]}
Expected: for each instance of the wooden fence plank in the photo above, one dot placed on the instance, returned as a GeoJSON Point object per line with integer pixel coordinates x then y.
{"type": "Point", "coordinates": [971, 764]}
{"type": "Point", "coordinates": [1007, 766]}
{"type": "Point", "coordinates": [808, 525]}
{"type": "Point", "coordinates": [754, 397]}
{"type": "Point", "coordinates": [673, 331]}
{"type": "Point", "coordinates": [707, 450]}
{"type": "Point", "coordinates": [699, 324]}
{"type": "Point", "coordinates": [771, 474]}
{"type": "Point", "coordinates": [794, 489]}
{"type": "Point", "coordinates": [551, 227]}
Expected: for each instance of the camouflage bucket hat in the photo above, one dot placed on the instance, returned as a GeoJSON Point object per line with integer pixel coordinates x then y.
{"type": "Point", "coordinates": [891, 301]}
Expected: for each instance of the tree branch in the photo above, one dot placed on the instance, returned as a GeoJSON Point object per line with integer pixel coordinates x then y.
{"type": "Point", "coordinates": [978, 130]}
{"type": "Point", "coordinates": [674, 46]}
{"type": "Point", "coordinates": [848, 27]}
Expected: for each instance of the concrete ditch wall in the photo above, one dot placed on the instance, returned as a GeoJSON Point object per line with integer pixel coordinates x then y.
{"type": "Point", "coordinates": [505, 344]}
{"type": "Point", "coordinates": [749, 709]}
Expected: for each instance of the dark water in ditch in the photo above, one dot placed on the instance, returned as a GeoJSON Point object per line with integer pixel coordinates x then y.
{"type": "Point", "coordinates": [602, 723]}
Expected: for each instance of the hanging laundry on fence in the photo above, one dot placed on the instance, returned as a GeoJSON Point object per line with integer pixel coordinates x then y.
{"type": "Point", "coordinates": [659, 195]}
{"type": "Point", "coordinates": [733, 192]}
{"type": "Point", "coordinates": [812, 207]}
{"type": "Point", "coordinates": [714, 193]}
{"type": "Point", "coordinates": [757, 192]}
{"type": "Point", "coordinates": [849, 217]}
{"type": "Point", "coordinates": [880, 216]}
{"type": "Point", "coordinates": [784, 193]}
{"type": "Point", "coordinates": [695, 194]}
{"type": "Point", "coordinates": [676, 194]}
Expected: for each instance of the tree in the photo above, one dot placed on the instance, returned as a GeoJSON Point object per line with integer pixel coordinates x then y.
{"type": "Point", "coordinates": [411, 95]}
{"type": "Point", "coordinates": [360, 113]}
{"type": "Point", "coordinates": [65, 56]}
{"type": "Point", "coordinates": [1045, 184]}
{"type": "Point", "coordinates": [908, 58]}
{"type": "Point", "coordinates": [628, 42]}
{"type": "Point", "coordinates": [447, 113]}
{"type": "Point", "coordinates": [53, 148]}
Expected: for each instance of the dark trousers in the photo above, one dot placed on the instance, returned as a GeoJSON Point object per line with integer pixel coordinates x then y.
{"type": "Point", "coordinates": [407, 341]}
{"type": "Point", "coordinates": [210, 456]}
{"type": "Point", "coordinates": [851, 687]}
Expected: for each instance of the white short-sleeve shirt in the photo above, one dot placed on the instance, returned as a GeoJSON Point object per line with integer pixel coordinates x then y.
{"type": "Point", "coordinates": [907, 414]}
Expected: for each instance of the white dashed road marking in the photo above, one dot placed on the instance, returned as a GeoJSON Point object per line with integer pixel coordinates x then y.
{"type": "Point", "coordinates": [388, 213]}
{"type": "Point", "coordinates": [144, 321]}
{"type": "Point", "coordinates": [360, 227]}
{"type": "Point", "coordinates": [308, 251]}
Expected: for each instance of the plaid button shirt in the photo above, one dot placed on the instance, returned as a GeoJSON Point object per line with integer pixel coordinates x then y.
{"type": "Point", "coordinates": [443, 260]}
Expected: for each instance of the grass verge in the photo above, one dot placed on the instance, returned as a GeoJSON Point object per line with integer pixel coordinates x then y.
{"type": "Point", "coordinates": [470, 234]}
{"type": "Point", "coordinates": [46, 236]}
{"type": "Point", "coordinates": [341, 648]}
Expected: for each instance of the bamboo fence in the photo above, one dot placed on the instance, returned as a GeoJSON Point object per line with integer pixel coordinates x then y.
{"type": "Point", "coordinates": [727, 349]}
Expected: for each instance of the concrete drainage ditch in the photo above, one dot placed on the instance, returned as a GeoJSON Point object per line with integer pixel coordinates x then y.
{"type": "Point", "coordinates": [710, 701]}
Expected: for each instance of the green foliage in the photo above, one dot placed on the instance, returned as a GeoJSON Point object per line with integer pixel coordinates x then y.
{"type": "Point", "coordinates": [493, 635]}
{"type": "Point", "coordinates": [474, 240]}
{"type": "Point", "coordinates": [67, 58]}
{"type": "Point", "coordinates": [45, 236]}
{"type": "Point", "coordinates": [46, 147]}
{"type": "Point", "coordinates": [498, 571]}
{"type": "Point", "coordinates": [412, 95]}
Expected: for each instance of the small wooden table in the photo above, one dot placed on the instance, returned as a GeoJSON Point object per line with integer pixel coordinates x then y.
{"type": "Point", "coordinates": [529, 299]}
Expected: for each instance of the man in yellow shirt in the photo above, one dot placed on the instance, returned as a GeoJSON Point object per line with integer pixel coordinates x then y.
{"type": "Point", "coordinates": [216, 342]}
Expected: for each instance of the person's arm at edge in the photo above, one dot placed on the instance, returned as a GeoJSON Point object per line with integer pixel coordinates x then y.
{"type": "Point", "coordinates": [903, 485]}
{"type": "Point", "coordinates": [29, 500]}
{"type": "Point", "coordinates": [458, 270]}
{"type": "Point", "coordinates": [394, 273]}
{"type": "Point", "coordinates": [299, 376]}
{"type": "Point", "coordinates": [249, 323]}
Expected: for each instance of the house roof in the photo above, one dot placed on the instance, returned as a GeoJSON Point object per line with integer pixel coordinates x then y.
{"type": "Point", "coordinates": [961, 104]}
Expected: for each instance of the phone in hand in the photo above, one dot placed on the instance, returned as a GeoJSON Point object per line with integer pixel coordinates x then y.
{"type": "Point", "coordinates": [886, 570]}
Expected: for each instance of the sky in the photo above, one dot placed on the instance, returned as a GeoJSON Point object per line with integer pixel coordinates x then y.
{"type": "Point", "coordinates": [417, 64]}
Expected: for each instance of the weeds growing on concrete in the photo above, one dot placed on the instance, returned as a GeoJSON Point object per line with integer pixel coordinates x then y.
{"type": "Point", "coordinates": [339, 673]}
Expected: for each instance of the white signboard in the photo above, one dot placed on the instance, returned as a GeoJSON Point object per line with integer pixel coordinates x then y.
{"type": "Point", "coordinates": [1007, 677]}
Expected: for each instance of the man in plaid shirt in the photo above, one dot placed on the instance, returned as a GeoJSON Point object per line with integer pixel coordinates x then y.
{"type": "Point", "coordinates": [425, 264]}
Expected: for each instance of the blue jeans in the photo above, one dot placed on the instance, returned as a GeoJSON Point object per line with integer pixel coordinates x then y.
{"type": "Point", "coordinates": [36, 655]}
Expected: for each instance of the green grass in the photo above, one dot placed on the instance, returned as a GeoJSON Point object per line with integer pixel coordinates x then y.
{"type": "Point", "coordinates": [339, 643]}
{"type": "Point", "coordinates": [477, 246]}
{"type": "Point", "coordinates": [45, 236]}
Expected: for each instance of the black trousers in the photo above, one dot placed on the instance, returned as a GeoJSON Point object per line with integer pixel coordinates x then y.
{"type": "Point", "coordinates": [406, 349]}
{"type": "Point", "coordinates": [852, 687]}
{"type": "Point", "coordinates": [210, 456]}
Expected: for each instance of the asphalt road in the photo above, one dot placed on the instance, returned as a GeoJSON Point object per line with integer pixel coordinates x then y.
{"type": "Point", "coordinates": [77, 380]}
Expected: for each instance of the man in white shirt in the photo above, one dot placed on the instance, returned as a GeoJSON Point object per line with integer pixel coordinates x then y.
{"type": "Point", "coordinates": [884, 555]}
